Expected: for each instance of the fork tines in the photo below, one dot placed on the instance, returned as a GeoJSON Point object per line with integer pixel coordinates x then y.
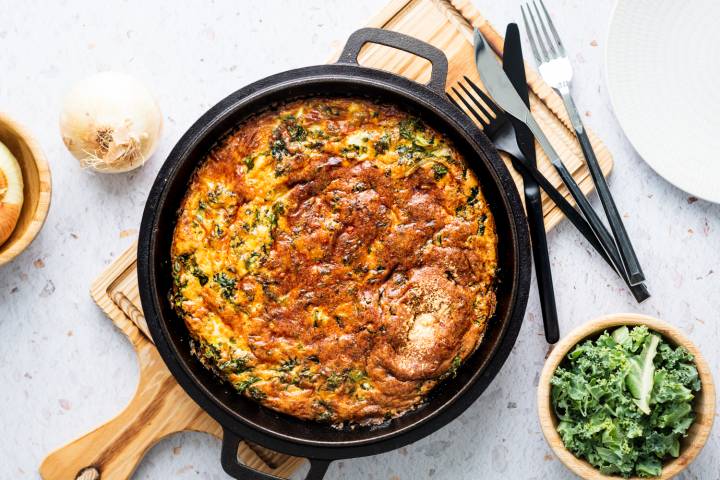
{"type": "Point", "coordinates": [484, 112]}
{"type": "Point", "coordinates": [550, 49]}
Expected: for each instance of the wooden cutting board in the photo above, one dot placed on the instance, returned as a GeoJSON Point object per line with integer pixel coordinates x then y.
{"type": "Point", "coordinates": [160, 406]}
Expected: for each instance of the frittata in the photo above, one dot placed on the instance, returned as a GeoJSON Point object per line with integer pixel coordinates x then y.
{"type": "Point", "coordinates": [334, 259]}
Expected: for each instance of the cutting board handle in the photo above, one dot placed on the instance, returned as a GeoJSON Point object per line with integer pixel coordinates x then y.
{"type": "Point", "coordinates": [114, 450]}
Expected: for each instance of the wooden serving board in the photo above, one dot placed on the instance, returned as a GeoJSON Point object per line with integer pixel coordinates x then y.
{"type": "Point", "coordinates": [161, 407]}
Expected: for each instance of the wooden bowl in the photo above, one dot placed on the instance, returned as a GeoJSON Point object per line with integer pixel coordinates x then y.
{"type": "Point", "coordinates": [37, 187]}
{"type": "Point", "coordinates": [704, 403]}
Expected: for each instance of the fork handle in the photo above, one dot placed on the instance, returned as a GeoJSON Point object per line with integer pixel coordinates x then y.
{"type": "Point", "coordinates": [638, 291]}
{"type": "Point", "coordinates": [629, 258]}
{"type": "Point", "coordinates": [582, 202]}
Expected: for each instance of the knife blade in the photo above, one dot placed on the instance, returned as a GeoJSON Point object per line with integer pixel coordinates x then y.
{"type": "Point", "coordinates": [504, 94]}
{"type": "Point", "coordinates": [498, 84]}
{"type": "Point", "coordinates": [514, 67]}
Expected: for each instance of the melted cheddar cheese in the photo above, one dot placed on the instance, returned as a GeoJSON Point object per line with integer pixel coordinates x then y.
{"type": "Point", "coordinates": [334, 259]}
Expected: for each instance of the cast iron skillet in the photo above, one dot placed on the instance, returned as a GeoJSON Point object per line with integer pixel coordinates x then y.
{"type": "Point", "coordinates": [243, 419]}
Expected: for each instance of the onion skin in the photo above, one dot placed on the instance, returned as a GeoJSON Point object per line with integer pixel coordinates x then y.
{"type": "Point", "coordinates": [11, 193]}
{"type": "Point", "coordinates": [9, 215]}
{"type": "Point", "coordinates": [110, 122]}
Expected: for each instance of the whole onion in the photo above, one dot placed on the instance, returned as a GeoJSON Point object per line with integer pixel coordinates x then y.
{"type": "Point", "coordinates": [110, 122]}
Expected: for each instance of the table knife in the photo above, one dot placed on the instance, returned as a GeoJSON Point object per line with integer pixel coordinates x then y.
{"type": "Point", "coordinates": [507, 98]}
{"type": "Point", "coordinates": [514, 67]}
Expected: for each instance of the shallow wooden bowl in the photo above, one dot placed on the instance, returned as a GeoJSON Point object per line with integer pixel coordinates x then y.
{"type": "Point", "coordinates": [704, 403]}
{"type": "Point", "coordinates": [37, 187]}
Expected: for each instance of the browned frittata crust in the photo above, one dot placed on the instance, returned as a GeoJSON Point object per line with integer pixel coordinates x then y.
{"type": "Point", "coordinates": [334, 259]}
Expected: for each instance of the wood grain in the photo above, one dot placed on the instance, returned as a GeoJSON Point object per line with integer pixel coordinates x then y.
{"type": "Point", "coordinates": [37, 187]}
{"type": "Point", "coordinates": [704, 403]}
{"type": "Point", "coordinates": [160, 407]}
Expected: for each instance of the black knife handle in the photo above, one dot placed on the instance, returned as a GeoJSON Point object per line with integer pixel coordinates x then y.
{"type": "Point", "coordinates": [514, 67]}
{"type": "Point", "coordinates": [536, 222]}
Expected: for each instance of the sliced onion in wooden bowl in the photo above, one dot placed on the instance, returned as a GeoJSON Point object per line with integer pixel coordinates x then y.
{"type": "Point", "coordinates": [36, 187]}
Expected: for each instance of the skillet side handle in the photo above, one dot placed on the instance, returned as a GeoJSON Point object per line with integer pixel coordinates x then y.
{"type": "Point", "coordinates": [403, 42]}
{"type": "Point", "coordinates": [233, 467]}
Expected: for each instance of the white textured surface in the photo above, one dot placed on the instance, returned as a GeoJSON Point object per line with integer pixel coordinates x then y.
{"type": "Point", "coordinates": [638, 52]}
{"type": "Point", "coordinates": [65, 369]}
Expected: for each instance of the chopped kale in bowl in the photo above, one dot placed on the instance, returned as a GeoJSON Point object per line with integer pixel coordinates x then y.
{"type": "Point", "coordinates": [624, 400]}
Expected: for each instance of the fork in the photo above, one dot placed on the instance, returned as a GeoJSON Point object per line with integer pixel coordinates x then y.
{"type": "Point", "coordinates": [496, 125]}
{"type": "Point", "coordinates": [556, 70]}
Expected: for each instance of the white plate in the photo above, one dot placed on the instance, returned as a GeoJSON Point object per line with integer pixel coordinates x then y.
{"type": "Point", "coordinates": [663, 75]}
